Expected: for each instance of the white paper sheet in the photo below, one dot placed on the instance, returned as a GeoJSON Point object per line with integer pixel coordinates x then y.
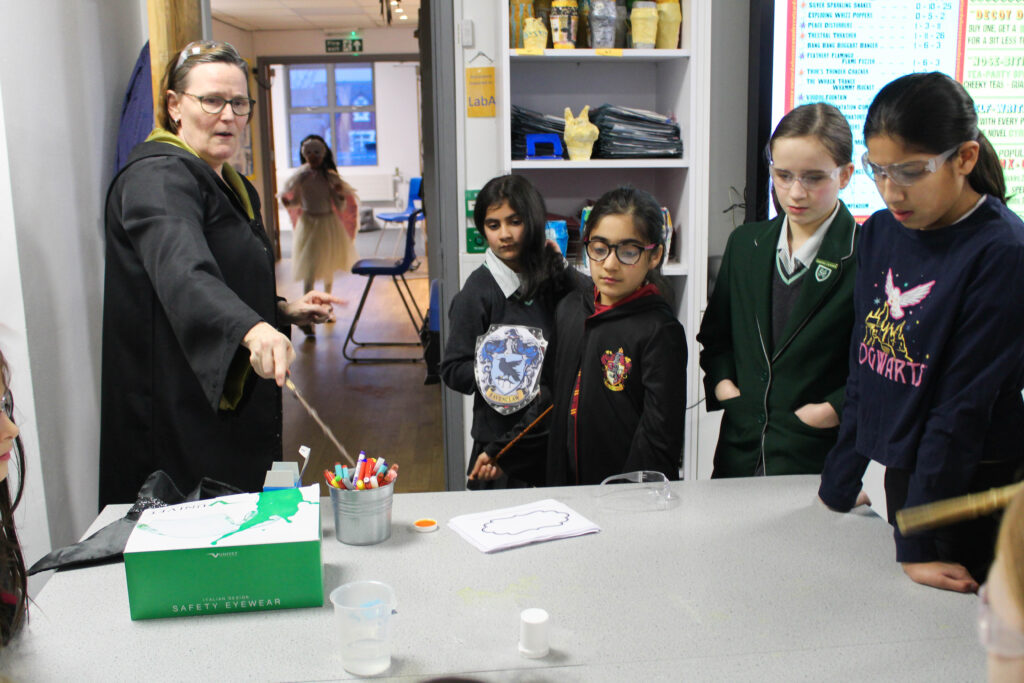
{"type": "Point", "coordinates": [544, 520]}
{"type": "Point", "coordinates": [874, 485]}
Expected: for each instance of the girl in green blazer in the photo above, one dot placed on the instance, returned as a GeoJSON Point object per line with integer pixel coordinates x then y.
{"type": "Point", "coordinates": [776, 332]}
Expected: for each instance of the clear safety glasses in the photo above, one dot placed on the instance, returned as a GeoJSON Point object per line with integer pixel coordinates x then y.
{"type": "Point", "coordinates": [908, 173]}
{"type": "Point", "coordinates": [810, 180]}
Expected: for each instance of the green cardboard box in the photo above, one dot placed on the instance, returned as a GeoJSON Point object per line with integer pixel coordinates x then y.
{"type": "Point", "coordinates": [240, 553]}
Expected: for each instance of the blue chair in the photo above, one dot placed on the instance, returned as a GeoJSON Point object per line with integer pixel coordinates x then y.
{"type": "Point", "coordinates": [371, 268]}
{"type": "Point", "coordinates": [402, 217]}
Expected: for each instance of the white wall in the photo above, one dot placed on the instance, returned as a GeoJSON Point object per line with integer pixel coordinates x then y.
{"type": "Point", "coordinates": [240, 39]}
{"type": "Point", "coordinates": [31, 514]}
{"type": "Point", "coordinates": [64, 68]}
{"type": "Point", "coordinates": [730, 22]}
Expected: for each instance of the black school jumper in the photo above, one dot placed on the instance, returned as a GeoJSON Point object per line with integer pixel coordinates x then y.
{"type": "Point", "coordinates": [631, 420]}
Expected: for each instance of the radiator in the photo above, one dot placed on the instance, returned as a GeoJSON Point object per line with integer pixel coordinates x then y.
{"type": "Point", "coordinates": [373, 188]}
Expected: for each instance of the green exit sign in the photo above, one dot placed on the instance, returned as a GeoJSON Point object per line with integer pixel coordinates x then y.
{"type": "Point", "coordinates": [344, 44]}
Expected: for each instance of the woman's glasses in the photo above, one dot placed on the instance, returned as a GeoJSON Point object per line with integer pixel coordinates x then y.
{"type": "Point", "coordinates": [906, 174]}
{"type": "Point", "coordinates": [997, 636]}
{"type": "Point", "coordinates": [811, 180]}
{"type": "Point", "coordinates": [214, 104]}
{"type": "Point", "coordinates": [628, 253]}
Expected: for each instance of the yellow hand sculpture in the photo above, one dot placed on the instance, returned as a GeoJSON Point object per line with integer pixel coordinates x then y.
{"type": "Point", "coordinates": [580, 134]}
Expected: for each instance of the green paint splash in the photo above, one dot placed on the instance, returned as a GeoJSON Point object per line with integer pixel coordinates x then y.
{"type": "Point", "coordinates": [283, 503]}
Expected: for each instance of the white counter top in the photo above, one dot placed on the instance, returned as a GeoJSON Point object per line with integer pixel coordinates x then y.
{"type": "Point", "coordinates": [747, 579]}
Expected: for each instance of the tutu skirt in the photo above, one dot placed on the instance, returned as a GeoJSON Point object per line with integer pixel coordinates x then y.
{"type": "Point", "coordinates": [321, 248]}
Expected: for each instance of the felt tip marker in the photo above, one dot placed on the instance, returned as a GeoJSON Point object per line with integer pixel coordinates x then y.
{"type": "Point", "coordinates": [337, 469]}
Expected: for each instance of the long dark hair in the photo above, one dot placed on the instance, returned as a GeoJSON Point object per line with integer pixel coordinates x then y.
{"type": "Point", "coordinates": [931, 112]}
{"type": "Point", "coordinates": [648, 220]}
{"type": "Point", "coordinates": [328, 162]}
{"type": "Point", "coordinates": [12, 563]}
{"type": "Point", "coordinates": [177, 70]}
{"type": "Point", "coordinates": [539, 263]}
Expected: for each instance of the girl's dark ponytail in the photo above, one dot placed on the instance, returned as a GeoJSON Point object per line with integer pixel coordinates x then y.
{"type": "Point", "coordinates": [987, 176]}
{"type": "Point", "coordinates": [932, 112]}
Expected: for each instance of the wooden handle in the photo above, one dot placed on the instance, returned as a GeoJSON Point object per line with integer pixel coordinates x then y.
{"type": "Point", "coordinates": [945, 512]}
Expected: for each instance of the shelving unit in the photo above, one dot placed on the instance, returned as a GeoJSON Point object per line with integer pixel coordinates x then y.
{"type": "Point", "coordinates": [671, 82]}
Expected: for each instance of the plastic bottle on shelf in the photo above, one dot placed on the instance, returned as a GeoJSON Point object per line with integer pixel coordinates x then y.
{"type": "Point", "coordinates": [602, 23]}
{"type": "Point", "coordinates": [670, 17]}
{"type": "Point", "coordinates": [565, 16]}
{"type": "Point", "coordinates": [644, 20]}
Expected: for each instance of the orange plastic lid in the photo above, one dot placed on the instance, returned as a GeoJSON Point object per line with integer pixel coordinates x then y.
{"type": "Point", "coordinates": [425, 525]}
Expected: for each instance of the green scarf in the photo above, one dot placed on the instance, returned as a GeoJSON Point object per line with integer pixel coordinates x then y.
{"type": "Point", "coordinates": [230, 175]}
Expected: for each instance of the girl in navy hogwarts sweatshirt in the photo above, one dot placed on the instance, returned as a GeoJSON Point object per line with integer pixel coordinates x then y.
{"type": "Point", "coordinates": [620, 368]}
{"type": "Point", "coordinates": [937, 354]}
{"type": "Point", "coordinates": [520, 282]}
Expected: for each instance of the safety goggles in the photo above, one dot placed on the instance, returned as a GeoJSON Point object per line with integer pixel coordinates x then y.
{"type": "Point", "coordinates": [907, 173]}
{"type": "Point", "coordinates": [810, 180]}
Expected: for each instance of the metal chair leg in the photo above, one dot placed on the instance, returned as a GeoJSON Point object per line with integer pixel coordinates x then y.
{"type": "Point", "coordinates": [350, 338]}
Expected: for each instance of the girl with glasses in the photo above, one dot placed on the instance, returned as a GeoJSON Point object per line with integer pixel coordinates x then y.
{"type": "Point", "coordinates": [620, 364]}
{"type": "Point", "coordinates": [192, 325]}
{"type": "Point", "coordinates": [777, 327]}
{"type": "Point", "coordinates": [325, 211]}
{"type": "Point", "coordinates": [13, 586]}
{"type": "Point", "coordinates": [933, 400]}
{"type": "Point", "coordinates": [520, 282]}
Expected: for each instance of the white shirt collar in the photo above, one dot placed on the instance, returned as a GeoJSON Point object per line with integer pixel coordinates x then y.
{"type": "Point", "coordinates": [808, 251]}
{"type": "Point", "coordinates": [974, 208]}
{"type": "Point", "coordinates": [507, 279]}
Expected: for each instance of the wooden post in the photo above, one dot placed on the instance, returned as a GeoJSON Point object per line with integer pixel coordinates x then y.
{"type": "Point", "coordinates": [172, 25]}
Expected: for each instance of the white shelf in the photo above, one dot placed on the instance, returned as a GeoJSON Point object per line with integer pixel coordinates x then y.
{"type": "Point", "coordinates": [583, 55]}
{"type": "Point", "coordinates": [564, 164]}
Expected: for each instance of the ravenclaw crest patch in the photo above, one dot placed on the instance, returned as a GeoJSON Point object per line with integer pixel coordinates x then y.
{"type": "Point", "coordinates": [507, 366]}
{"type": "Point", "coordinates": [616, 369]}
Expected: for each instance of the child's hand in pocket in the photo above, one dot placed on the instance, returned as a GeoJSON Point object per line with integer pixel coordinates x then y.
{"type": "Point", "coordinates": [726, 389]}
{"type": "Point", "coordinates": [818, 415]}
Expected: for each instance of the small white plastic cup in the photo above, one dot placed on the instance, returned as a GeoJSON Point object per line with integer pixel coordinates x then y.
{"type": "Point", "coordinates": [533, 633]}
{"type": "Point", "coordinates": [362, 611]}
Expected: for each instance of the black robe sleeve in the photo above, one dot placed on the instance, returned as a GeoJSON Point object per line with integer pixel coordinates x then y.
{"type": "Point", "coordinates": [165, 225]}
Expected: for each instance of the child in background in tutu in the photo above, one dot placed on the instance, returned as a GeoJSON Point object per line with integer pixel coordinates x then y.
{"type": "Point", "coordinates": [324, 210]}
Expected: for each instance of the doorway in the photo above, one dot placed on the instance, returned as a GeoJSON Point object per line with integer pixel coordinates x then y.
{"type": "Point", "coordinates": [367, 109]}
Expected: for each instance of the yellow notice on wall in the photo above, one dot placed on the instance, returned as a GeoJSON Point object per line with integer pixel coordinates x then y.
{"type": "Point", "coordinates": [480, 92]}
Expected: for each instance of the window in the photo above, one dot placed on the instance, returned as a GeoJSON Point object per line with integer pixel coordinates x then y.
{"type": "Point", "coordinates": [336, 102]}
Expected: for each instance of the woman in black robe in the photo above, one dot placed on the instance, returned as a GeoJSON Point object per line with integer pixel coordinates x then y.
{"type": "Point", "coordinates": [192, 325]}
